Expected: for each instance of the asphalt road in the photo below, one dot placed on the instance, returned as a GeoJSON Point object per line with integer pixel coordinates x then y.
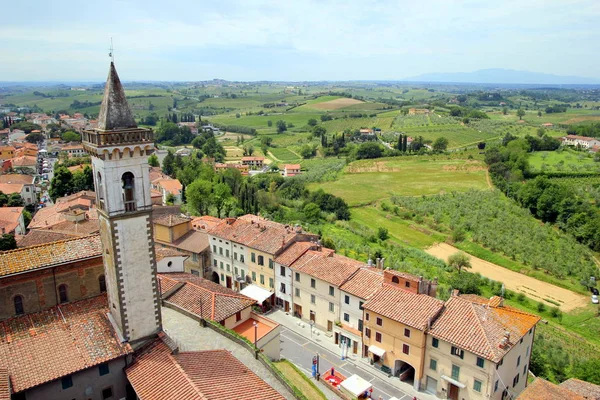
{"type": "Point", "coordinates": [300, 351]}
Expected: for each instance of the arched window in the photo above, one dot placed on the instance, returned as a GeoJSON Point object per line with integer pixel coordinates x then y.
{"type": "Point", "coordinates": [127, 183]}
{"type": "Point", "coordinates": [102, 283]}
{"type": "Point", "coordinates": [63, 295]}
{"type": "Point", "coordinates": [18, 300]}
{"type": "Point", "coordinates": [395, 279]}
{"type": "Point", "coordinates": [100, 190]}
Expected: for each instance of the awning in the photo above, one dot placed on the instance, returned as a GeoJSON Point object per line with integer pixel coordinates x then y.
{"type": "Point", "coordinates": [376, 350]}
{"type": "Point", "coordinates": [356, 385]}
{"type": "Point", "coordinates": [256, 292]}
{"type": "Point", "coordinates": [453, 381]}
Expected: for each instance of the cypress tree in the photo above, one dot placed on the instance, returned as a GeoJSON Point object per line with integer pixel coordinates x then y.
{"type": "Point", "coordinates": [399, 145]}
{"type": "Point", "coordinates": [405, 143]}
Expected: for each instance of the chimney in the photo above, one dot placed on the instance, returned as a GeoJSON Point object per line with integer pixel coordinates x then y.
{"type": "Point", "coordinates": [507, 336]}
{"type": "Point", "coordinates": [381, 262]}
{"type": "Point", "coordinates": [378, 262]}
{"type": "Point", "coordinates": [370, 262]}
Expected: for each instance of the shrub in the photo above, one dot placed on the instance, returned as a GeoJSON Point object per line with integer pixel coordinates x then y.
{"type": "Point", "coordinates": [541, 307]}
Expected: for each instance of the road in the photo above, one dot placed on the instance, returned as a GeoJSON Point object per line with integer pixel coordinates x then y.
{"type": "Point", "coordinates": [300, 351]}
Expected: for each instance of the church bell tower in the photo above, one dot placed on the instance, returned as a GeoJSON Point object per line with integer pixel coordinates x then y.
{"type": "Point", "coordinates": [119, 151]}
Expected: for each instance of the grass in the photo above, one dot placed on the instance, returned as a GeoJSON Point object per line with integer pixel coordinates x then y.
{"type": "Point", "coordinates": [283, 154]}
{"type": "Point", "coordinates": [400, 230]}
{"type": "Point", "coordinates": [299, 379]}
{"type": "Point", "coordinates": [367, 181]}
{"type": "Point", "coordinates": [566, 161]}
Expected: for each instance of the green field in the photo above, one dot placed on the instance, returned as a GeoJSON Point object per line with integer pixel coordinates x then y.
{"type": "Point", "coordinates": [565, 161]}
{"type": "Point", "coordinates": [284, 154]}
{"type": "Point", "coordinates": [367, 181]}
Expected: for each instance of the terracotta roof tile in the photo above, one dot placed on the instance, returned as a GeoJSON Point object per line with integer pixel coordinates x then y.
{"type": "Point", "coordinates": [541, 389]}
{"type": "Point", "coordinates": [157, 374]}
{"type": "Point", "coordinates": [24, 161]}
{"type": "Point", "coordinates": [205, 222]}
{"type": "Point", "coordinates": [163, 252]}
{"type": "Point", "coordinates": [406, 307]}
{"type": "Point", "coordinates": [50, 254]}
{"type": "Point", "coordinates": [364, 283]}
{"type": "Point", "coordinates": [327, 266]}
{"type": "Point", "coordinates": [4, 384]}
{"type": "Point", "coordinates": [193, 241]}
{"type": "Point", "coordinates": [41, 347]}
{"type": "Point", "coordinates": [293, 252]}
{"type": "Point", "coordinates": [17, 178]}
{"type": "Point", "coordinates": [585, 389]}
{"type": "Point", "coordinates": [170, 185]}
{"type": "Point", "coordinates": [200, 296]}
{"type": "Point", "coordinates": [171, 220]}
{"type": "Point", "coordinates": [479, 328]}
{"type": "Point", "coordinates": [36, 237]}
{"type": "Point", "coordinates": [10, 188]}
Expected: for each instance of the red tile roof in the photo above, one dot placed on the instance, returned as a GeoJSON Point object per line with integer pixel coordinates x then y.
{"type": "Point", "coordinates": [163, 252]}
{"type": "Point", "coordinates": [171, 220]}
{"type": "Point", "coordinates": [17, 178]}
{"type": "Point", "coordinates": [541, 389]}
{"type": "Point", "coordinates": [205, 222]}
{"type": "Point", "coordinates": [4, 384]}
{"type": "Point", "coordinates": [193, 241]}
{"type": "Point", "coordinates": [158, 374]}
{"type": "Point", "coordinates": [408, 308]}
{"type": "Point", "coordinates": [327, 266]}
{"type": "Point", "coordinates": [364, 283]}
{"type": "Point", "coordinates": [585, 389]}
{"type": "Point", "coordinates": [35, 237]}
{"type": "Point", "coordinates": [41, 347]}
{"type": "Point", "coordinates": [50, 254]}
{"type": "Point", "coordinates": [293, 252]}
{"type": "Point", "coordinates": [257, 233]}
{"type": "Point", "coordinates": [475, 326]}
{"type": "Point", "coordinates": [9, 218]}
{"type": "Point", "coordinates": [200, 296]}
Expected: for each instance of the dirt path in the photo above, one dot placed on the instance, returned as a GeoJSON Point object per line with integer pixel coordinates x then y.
{"type": "Point", "coordinates": [487, 178]}
{"type": "Point", "coordinates": [531, 287]}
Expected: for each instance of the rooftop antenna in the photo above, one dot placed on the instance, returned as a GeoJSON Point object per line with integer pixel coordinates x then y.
{"type": "Point", "coordinates": [111, 54]}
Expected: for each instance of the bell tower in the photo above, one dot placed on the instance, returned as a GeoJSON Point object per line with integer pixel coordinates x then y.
{"type": "Point", "coordinates": [119, 151]}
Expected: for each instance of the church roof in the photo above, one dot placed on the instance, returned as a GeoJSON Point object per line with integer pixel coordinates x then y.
{"type": "Point", "coordinates": [114, 111]}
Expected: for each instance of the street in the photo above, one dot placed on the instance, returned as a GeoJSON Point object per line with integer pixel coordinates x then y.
{"type": "Point", "coordinates": [300, 351]}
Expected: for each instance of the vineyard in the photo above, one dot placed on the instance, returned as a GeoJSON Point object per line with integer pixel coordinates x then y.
{"type": "Point", "coordinates": [502, 226]}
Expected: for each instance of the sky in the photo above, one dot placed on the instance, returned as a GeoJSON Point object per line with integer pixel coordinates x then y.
{"type": "Point", "coordinates": [297, 40]}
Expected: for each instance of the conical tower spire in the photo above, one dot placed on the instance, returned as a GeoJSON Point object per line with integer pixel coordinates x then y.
{"type": "Point", "coordinates": [114, 111]}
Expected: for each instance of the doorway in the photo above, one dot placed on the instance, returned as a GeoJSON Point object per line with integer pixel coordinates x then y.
{"type": "Point", "coordinates": [329, 326]}
{"type": "Point", "coordinates": [452, 392]}
{"type": "Point", "coordinates": [215, 278]}
{"type": "Point", "coordinates": [355, 347]}
{"type": "Point", "coordinates": [286, 306]}
{"type": "Point", "coordinates": [297, 310]}
{"type": "Point", "coordinates": [312, 316]}
{"type": "Point", "coordinates": [228, 280]}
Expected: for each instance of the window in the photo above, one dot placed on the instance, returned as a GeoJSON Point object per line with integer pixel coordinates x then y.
{"type": "Point", "coordinates": [347, 299]}
{"type": "Point", "coordinates": [331, 307]}
{"type": "Point", "coordinates": [433, 364]}
{"type": "Point", "coordinates": [455, 351]}
{"type": "Point", "coordinates": [496, 386]}
{"type": "Point", "coordinates": [282, 271]}
{"type": "Point", "coordinates": [297, 292]}
{"type": "Point", "coordinates": [243, 274]}
{"type": "Point", "coordinates": [313, 283]}
{"type": "Point", "coordinates": [346, 317]}
{"type": "Point", "coordinates": [63, 294]}
{"type": "Point", "coordinates": [236, 270]}
{"type": "Point", "coordinates": [297, 277]}
{"type": "Point", "coordinates": [395, 279]}
{"type": "Point", "coordinates": [518, 361]}
{"type": "Point", "coordinates": [480, 362]}
{"type": "Point", "coordinates": [194, 257]}
{"type": "Point", "coordinates": [103, 369]}
{"type": "Point", "coordinates": [67, 382]}
{"type": "Point", "coordinates": [238, 316]}
{"type": "Point", "coordinates": [312, 298]}
{"type": "Point", "coordinates": [435, 342]}
{"type": "Point", "coordinates": [360, 305]}
{"type": "Point", "coordinates": [18, 301]}
{"type": "Point", "coordinates": [220, 250]}
{"type": "Point", "coordinates": [215, 263]}
{"type": "Point", "coordinates": [331, 290]}
{"type": "Point", "coordinates": [227, 253]}
{"type": "Point", "coordinates": [282, 288]}
{"type": "Point", "coordinates": [455, 371]}
{"type": "Point", "coordinates": [107, 393]}
{"type": "Point", "coordinates": [521, 341]}
{"type": "Point", "coordinates": [227, 267]}
{"type": "Point", "coordinates": [100, 188]}
{"type": "Point", "coordinates": [252, 257]}
{"type": "Point", "coordinates": [127, 184]}
{"type": "Point", "coordinates": [527, 353]}
{"type": "Point", "coordinates": [406, 332]}
{"type": "Point", "coordinates": [367, 316]}
{"type": "Point", "coordinates": [195, 272]}
{"type": "Point", "coordinates": [367, 332]}
{"type": "Point", "coordinates": [378, 337]}
{"type": "Point", "coordinates": [262, 279]}
{"type": "Point", "coordinates": [235, 255]}
{"type": "Point", "coordinates": [253, 276]}
{"type": "Point", "coordinates": [222, 277]}
{"type": "Point", "coordinates": [360, 325]}
{"type": "Point", "coordinates": [271, 282]}
{"type": "Point", "coordinates": [525, 369]}
{"type": "Point", "coordinates": [221, 264]}
{"type": "Point", "coordinates": [477, 386]}
{"type": "Point", "coordinates": [261, 260]}
{"type": "Point", "coordinates": [214, 248]}
{"type": "Point", "coordinates": [379, 321]}
{"type": "Point", "coordinates": [241, 258]}
{"type": "Point", "coordinates": [405, 349]}
{"type": "Point", "coordinates": [271, 264]}
{"type": "Point", "coordinates": [516, 380]}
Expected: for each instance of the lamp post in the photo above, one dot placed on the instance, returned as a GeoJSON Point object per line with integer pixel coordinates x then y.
{"type": "Point", "coordinates": [311, 323]}
{"type": "Point", "coordinates": [255, 339]}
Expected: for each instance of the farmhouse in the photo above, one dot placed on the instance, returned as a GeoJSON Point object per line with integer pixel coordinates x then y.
{"type": "Point", "coordinates": [291, 169]}
{"type": "Point", "coordinates": [366, 132]}
{"type": "Point", "coordinates": [580, 141]}
{"type": "Point", "coordinates": [418, 111]}
{"type": "Point", "coordinates": [253, 162]}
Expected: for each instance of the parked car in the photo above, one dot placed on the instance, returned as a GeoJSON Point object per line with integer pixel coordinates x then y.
{"type": "Point", "coordinates": [595, 294]}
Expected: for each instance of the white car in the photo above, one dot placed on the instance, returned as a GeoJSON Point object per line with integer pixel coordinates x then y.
{"type": "Point", "coordinates": [595, 299]}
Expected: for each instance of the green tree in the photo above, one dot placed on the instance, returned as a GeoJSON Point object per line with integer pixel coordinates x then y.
{"type": "Point", "coordinates": [312, 122]}
{"type": "Point", "coordinates": [459, 261]}
{"type": "Point", "coordinates": [504, 110]}
{"type": "Point", "coordinates": [199, 196]}
{"type": "Point", "coordinates": [318, 131]}
{"type": "Point", "coordinates": [520, 113]}
{"type": "Point", "coordinates": [539, 113]}
{"type": "Point", "coordinates": [7, 242]}
{"type": "Point", "coordinates": [369, 150]}
{"type": "Point", "coordinates": [70, 136]}
{"type": "Point", "coordinates": [61, 183]}
{"type": "Point", "coordinates": [220, 194]}
{"type": "Point", "coordinates": [311, 212]}
{"type": "Point", "coordinates": [269, 123]}
{"type": "Point", "coordinates": [466, 283]}
{"type": "Point", "coordinates": [281, 126]}
{"type": "Point", "coordinates": [15, 200]}
{"type": "Point", "coordinates": [382, 233]}
{"type": "Point", "coordinates": [35, 137]}
{"type": "Point", "coordinates": [440, 144]}
{"type": "Point", "coordinates": [153, 161]}
{"type": "Point", "coordinates": [168, 166]}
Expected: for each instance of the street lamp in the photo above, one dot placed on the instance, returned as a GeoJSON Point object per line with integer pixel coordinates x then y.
{"type": "Point", "coordinates": [255, 339]}
{"type": "Point", "coordinates": [311, 323]}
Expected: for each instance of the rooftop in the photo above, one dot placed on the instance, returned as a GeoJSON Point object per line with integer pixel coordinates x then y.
{"type": "Point", "coordinates": [478, 325]}
{"type": "Point", "coordinates": [171, 185]}
{"type": "Point", "coordinates": [541, 389]}
{"type": "Point", "coordinates": [114, 110]}
{"type": "Point", "coordinates": [364, 283]}
{"type": "Point", "coordinates": [202, 297]}
{"type": "Point", "coordinates": [78, 334]}
{"type": "Point", "coordinates": [164, 252]}
{"type": "Point", "coordinates": [10, 188]}
{"type": "Point", "coordinates": [24, 161]}
{"type": "Point", "coordinates": [161, 373]}
{"type": "Point", "coordinates": [36, 237]}
{"type": "Point", "coordinates": [585, 389]}
{"type": "Point", "coordinates": [325, 265]}
{"type": "Point", "coordinates": [263, 327]}
{"type": "Point", "coordinates": [9, 218]}
{"type": "Point", "coordinates": [408, 308]}
{"type": "Point", "coordinates": [49, 254]}
{"type": "Point", "coordinates": [293, 252]}
{"type": "Point", "coordinates": [17, 178]}
{"type": "Point", "coordinates": [193, 241]}
{"type": "Point", "coordinates": [205, 222]}
{"type": "Point", "coordinates": [171, 220]}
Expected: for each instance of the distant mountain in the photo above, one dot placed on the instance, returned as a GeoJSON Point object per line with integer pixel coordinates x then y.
{"type": "Point", "coordinates": [504, 76]}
